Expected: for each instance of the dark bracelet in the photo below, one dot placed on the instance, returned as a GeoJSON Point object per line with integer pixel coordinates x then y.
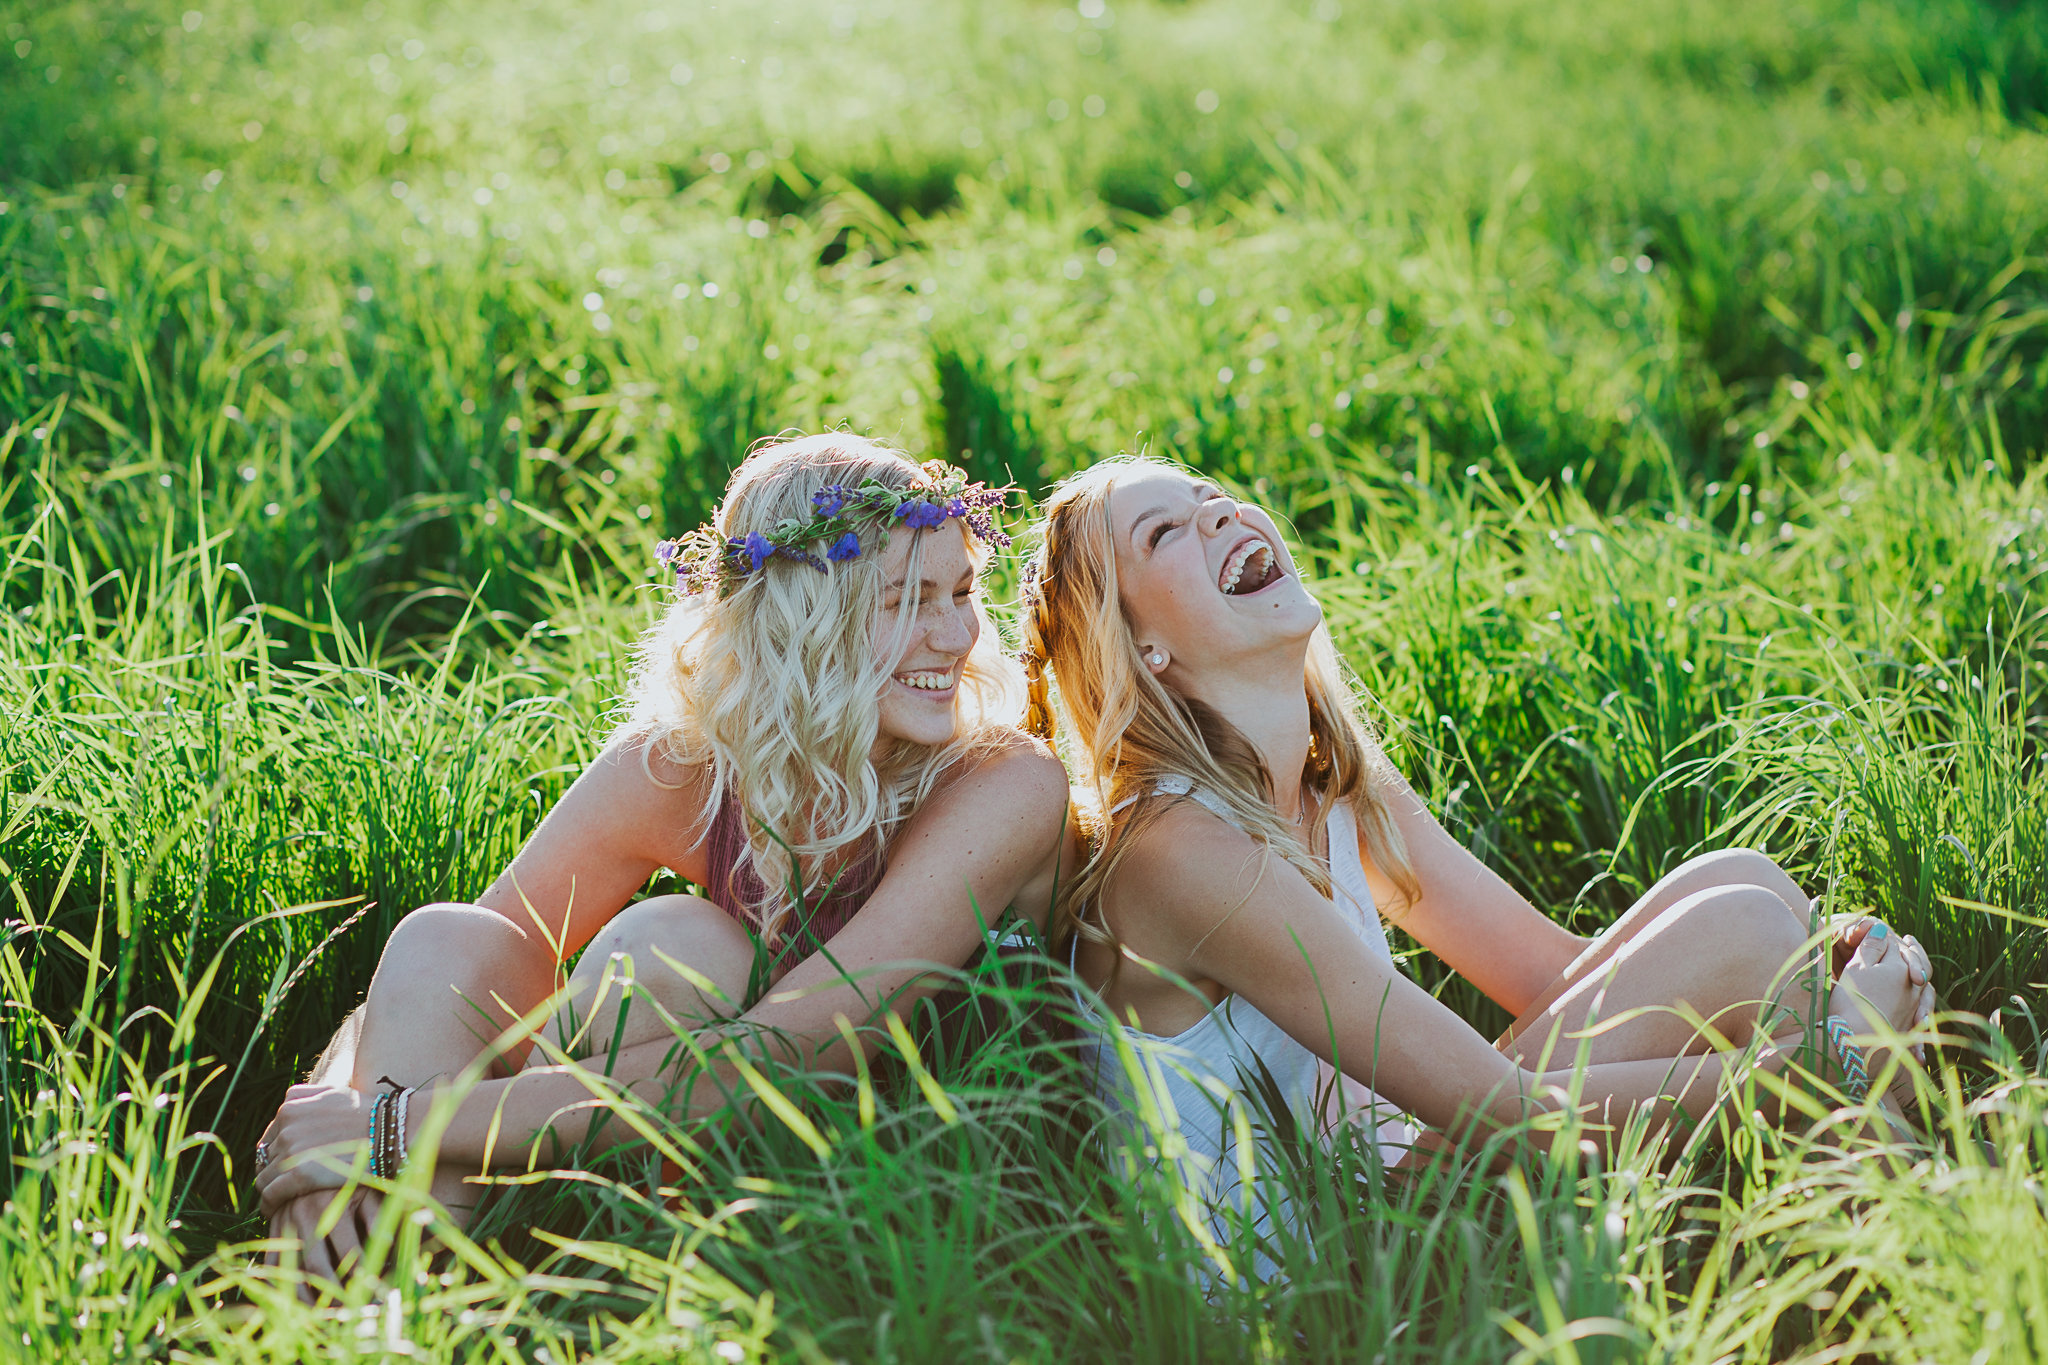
{"type": "Point", "coordinates": [387, 1130]}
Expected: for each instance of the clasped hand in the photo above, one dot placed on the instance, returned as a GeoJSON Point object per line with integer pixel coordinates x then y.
{"type": "Point", "coordinates": [1883, 976]}
{"type": "Point", "coordinates": [318, 1141]}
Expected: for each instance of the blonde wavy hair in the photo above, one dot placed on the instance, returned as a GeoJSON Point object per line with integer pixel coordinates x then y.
{"type": "Point", "coordinates": [775, 683]}
{"type": "Point", "coordinates": [1131, 729]}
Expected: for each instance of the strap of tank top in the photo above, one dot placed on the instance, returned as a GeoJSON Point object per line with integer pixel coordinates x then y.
{"type": "Point", "coordinates": [1177, 784]}
{"type": "Point", "coordinates": [1347, 870]}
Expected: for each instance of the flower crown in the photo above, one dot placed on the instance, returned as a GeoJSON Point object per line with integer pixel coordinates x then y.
{"type": "Point", "coordinates": [704, 560]}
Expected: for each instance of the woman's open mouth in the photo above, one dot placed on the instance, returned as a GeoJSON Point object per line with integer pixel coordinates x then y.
{"type": "Point", "coordinates": [928, 681]}
{"type": "Point", "coordinates": [1250, 567]}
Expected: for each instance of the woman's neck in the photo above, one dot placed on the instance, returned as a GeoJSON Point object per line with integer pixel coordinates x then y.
{"type": "Point", "coordinates": [1269, 706]}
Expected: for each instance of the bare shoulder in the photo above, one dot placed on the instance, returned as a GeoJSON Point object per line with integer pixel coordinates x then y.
{"type": "Point", "coordinates": [997, 823]}
{"type": "Point", "coordinates": [639, 793]}
{"type": "Point", "coordinates": [1180, 872]}
{"type": "Point", "coordinates": [643, 755]}
{"type": "Point", "coordinates": [1017, 774]}
{"type": "Point", "coordinates": [1002, 814]}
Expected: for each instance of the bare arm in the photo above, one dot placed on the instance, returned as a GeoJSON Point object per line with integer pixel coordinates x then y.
{"type": "Point", "coordinates": [1485, 930]}
{"type": "Point", "coordinates": [607, 835]}
{"type": "Point", "coordinates": [1204, 901]}
{"type": "Point", "coordinates": [992, 838]}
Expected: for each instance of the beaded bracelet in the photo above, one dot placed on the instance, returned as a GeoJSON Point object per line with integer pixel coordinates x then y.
{"type": "Point", "coordinates": [1855, 1075]}
{"type": "Point", "coordinates": [387, 1129]}
{"type": "Point", "coordinates": [404, 1108]}
{"type": "Point", "coordinates": [376, 1113]}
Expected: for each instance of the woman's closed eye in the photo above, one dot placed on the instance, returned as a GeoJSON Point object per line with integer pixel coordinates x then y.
{"type": "Point", "coordinates": [1159, 534]}
{"type": "Point", "coordinates": [929, 599]}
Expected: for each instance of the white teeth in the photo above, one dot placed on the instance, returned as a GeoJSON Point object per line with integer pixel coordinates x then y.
{"type": "Point", "coordinates": [926, 682]}
{"type": "Point", "coordinates": [1234, 567]}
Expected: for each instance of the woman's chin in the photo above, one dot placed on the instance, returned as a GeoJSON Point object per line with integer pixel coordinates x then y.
{"type": "Point", "coordinates": [1294, 612]}
{"type": "Point", "coordinates": [927, 731]}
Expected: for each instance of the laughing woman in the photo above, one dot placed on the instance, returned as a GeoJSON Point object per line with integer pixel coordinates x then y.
{"type": "Point", "coordinates": [1254, 833]}
{"type": "Point", "coordinates": [822, 708]}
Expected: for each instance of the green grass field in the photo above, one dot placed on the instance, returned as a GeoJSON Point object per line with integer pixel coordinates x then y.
{"type": "Point", "coordinates": [1660, 391]}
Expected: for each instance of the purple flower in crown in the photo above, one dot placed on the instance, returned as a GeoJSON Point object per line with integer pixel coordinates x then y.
{"type": "Point", "coordinates": [756, 549]}
{"type": "Point", "coordinates": [667, 550]}
{"type": "Point", "coordinates": [798, 555]}
{"type": "Point", "coordinates": [829, 500]}
{"type": "Point", "coordinates": [956, 507]}
{"type": "Point", "coordinates": [920, 515]}
{"type": "Point", "coordinates": [844, 548]}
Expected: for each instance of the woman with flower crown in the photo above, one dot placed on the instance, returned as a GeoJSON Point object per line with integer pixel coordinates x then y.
{"type": "Point", "coordinates": [1250, 833]}
{"type": "Point", "coordinates": [818, 736]}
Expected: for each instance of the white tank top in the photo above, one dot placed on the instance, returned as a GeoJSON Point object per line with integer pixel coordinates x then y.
{"type": "Point", "coordinates": [1235, 1062]}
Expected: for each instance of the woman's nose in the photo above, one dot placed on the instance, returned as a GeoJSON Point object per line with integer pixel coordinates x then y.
{"type": "Point", "coordinates": [955, 631]}
{"type": "Point", "coordinates": [1218, 514]}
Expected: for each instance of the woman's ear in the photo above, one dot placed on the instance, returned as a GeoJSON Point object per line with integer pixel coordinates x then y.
{"type": "Point", "coordinates": [1154, 657]}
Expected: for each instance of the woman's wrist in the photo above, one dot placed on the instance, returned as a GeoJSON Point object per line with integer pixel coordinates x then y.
{"type": "Point", "coordinates": [1847, 1055]}
{"type": "Point", "coordinates": [512, 1121]}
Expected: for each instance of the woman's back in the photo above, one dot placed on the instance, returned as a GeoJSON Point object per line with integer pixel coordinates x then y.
{"type": "Point", "coordinates": [1234, 1063]}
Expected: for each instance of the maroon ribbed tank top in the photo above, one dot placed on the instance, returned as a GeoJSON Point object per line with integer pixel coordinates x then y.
{"type": "Point", "coordinates": [735, 887]}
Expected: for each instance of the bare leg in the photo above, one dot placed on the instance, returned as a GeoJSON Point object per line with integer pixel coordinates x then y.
{"type": "Point", "coordinates": [1727, 867]}
{"type": "Point", "coordinates": [1730, 956]}
{"type": "Point", "coordinates": [452, 978]}
{"type": "Point", "coordinates": [1696, 948]}
{"type": "Point", "coordinates": [668, 965]}
{"type": "Point", "coordinates": [337, 1064]}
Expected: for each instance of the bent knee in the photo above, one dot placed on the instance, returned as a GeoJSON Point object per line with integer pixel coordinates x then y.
{"type": "Point", "coordinates": [1749, 867]}
{"type": "Point", "coordinates": [664, 922]}
{"type": "Point", "coordinates": [1747, 923]}
{"type": "Point", "coordinates": [450, 931]}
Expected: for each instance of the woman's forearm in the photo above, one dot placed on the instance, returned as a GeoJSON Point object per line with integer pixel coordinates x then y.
{"type": "Point", "coordinates": [1608, 1095]}
{"type": "Point", "coordinates": [536, 1117]}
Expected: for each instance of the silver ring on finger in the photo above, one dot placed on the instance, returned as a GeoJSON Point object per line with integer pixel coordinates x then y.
{"type": "Point", "coordinates": [262, 1156]}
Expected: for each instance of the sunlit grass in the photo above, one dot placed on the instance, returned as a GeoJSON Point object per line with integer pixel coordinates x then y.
{"type": "Point", "coordinates": [1657, 393]}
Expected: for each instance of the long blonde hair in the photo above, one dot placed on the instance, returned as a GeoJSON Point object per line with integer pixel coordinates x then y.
{"type": "Point", "coordinates": [774, 683]}
{"type": "Point", "coordinates": [1132, 729]}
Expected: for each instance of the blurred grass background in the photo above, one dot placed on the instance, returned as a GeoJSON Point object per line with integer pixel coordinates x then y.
{"type": "Point", "coordinates": [1659, 391]}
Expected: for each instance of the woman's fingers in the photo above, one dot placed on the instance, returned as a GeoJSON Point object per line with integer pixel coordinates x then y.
{"type": "Point", "coordinates": [291, 1176]}
{"type": "Point", "coordinates": [1918, 966]}
{"type": "Point", "coordinates": [336, 1254]}
{"type": "Point", "coordinates": [1845, 932]}
{"type": "Point", "coordinates": [1875, 945]}
{"type": "Point", "coordinates": [314, 1258]}
{"type": "Point", "coordinates": [1877, 976]}
{"type": "Point", "coordinates": [345, 1240]}
{"type": "Point", "coordinates": [1921, 1015]}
